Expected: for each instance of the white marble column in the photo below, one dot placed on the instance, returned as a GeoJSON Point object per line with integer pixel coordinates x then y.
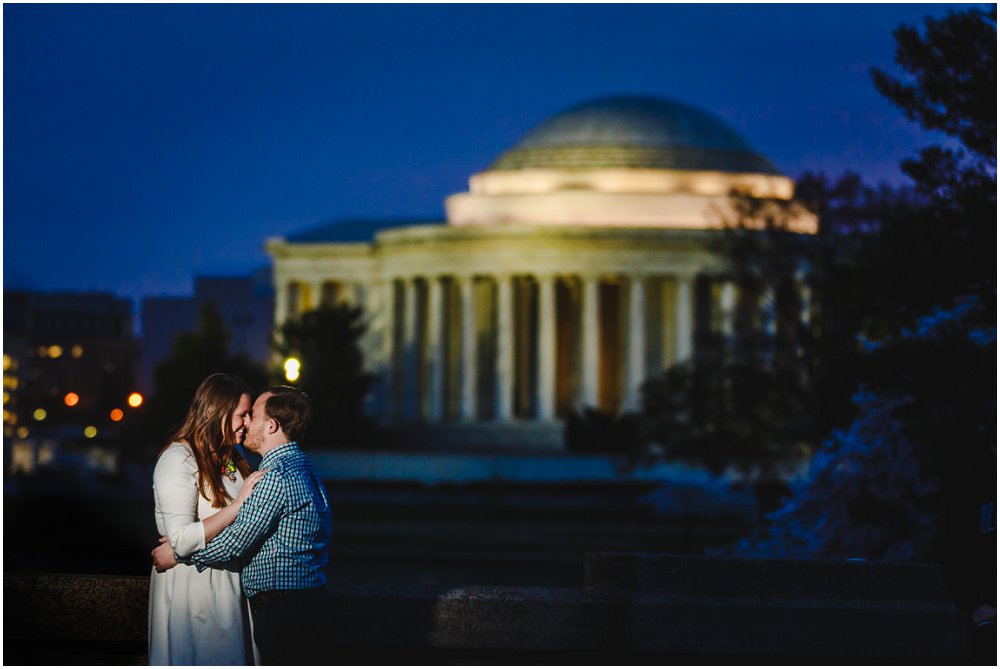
{"type": "Point", "coordinates": [505, 349]}
{"type": "Point", "coordinates": [727, 306]}
{"type": "Point", "coordinates": [280, 304]}
{"type": "Point", "coordinates": [635, 367]}
{"type": "Point", "coordinates": [435, 353]}
{"type": "Point", "coordinates": [546, 387]}
{"type": "Point", "coordinates": [387, 310]}
{"type": "Point", "coordinates": [805, 295]}
{"type": "Point", "coordinates": [411, 391]}
{"type": "Point", "coordinates": [769, 320]}
{"type": "Point", "coordinates": [684, 319]}
{"type": "Point", "coordinates": [769, 311]}
{"type": "Point", "coordinates": [470, 369]}
{"type": "Point", "coordinates": [589, 342]}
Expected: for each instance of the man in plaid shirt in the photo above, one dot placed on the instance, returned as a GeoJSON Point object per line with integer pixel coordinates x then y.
{"type": "Point", "coordinates": [282, 534]}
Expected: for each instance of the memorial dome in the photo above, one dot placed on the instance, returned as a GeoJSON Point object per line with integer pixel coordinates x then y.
{"type": "Point", "coordinates": [638, 132]}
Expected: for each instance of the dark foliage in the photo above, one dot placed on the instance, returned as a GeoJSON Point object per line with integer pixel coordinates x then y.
{"type": "Point", "coordinates": [195, 356]}
{"type": "Point", "coordinates": [954, 73]}
{"type": "Point", "coordinates": [744, 400]}
{"type": "Point", "coordinates": [723, 414]}
{"type": "Point", "coordinates": [916, 286]}
{"type": "Point", "coordinates": [593, 431]}
{"type": "Point", "coordinates": [325, 341]}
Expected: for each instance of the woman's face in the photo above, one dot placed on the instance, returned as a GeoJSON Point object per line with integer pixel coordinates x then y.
{"type": "Point", "coordinates": [240, 418]}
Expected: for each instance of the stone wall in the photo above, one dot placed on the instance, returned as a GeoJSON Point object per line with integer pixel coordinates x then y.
{"type": "Point", "coordinates": [632, 609]}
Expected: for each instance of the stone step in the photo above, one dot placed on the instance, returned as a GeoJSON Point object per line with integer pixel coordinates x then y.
{"type": "Point", "coordinates": [696, 576]}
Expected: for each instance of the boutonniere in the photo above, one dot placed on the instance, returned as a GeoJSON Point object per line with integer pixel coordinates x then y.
{"type": "Point", "coordinates": [229, 470]}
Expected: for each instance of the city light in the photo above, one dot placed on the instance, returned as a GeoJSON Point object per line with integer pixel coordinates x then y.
{"type": "Point", "coordinates": [292, 366]}
{"type": "Point", "coordinates": [90, 432]}
{"type": "Point", "coordinates": [71, 399]}
{"type": "Point", "coordinates": [22, 432]}
{"type": "Point", "coordinates": [55, 351]}
{"type": "Point", "coordinates": [117, 415]}
{"type": "Point", "coordinates": [135, 400]}
{"type": "Point", "coordinates": [76, 351]}
{"type": "Point", "coordinates": [7, 362]}
{"type": "Point", "coordinates": [40, 414]}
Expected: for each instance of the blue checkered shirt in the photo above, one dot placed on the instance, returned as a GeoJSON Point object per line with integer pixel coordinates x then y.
{"type": "Point", "coordinates": [282, 531]}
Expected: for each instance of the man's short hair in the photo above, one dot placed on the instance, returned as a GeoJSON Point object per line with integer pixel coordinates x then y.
{"type": "Point", "coordinates": [290, 408]}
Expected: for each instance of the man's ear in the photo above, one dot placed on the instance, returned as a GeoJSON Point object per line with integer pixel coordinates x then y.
{"type": "Point", "coordinates": [271, 426]}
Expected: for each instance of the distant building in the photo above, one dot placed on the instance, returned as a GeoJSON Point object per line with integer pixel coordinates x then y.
{"type": "Point", "coordinates": [245, 303]}
{"type": "Point", "coordinates": [69, 359]}
{"type": "Point", "coordinates": [577, 266]}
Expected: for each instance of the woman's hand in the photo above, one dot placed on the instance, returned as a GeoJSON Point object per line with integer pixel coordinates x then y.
{"type": "Point", "coordinates": [248, 485]}
{"type": "Point", "coordinates": [163, 556]}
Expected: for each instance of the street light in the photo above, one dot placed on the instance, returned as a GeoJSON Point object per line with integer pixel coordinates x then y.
{"type": "Point", "coordinates": [292, 366]}
{"type": "Point", "coordinates": [135, 400]}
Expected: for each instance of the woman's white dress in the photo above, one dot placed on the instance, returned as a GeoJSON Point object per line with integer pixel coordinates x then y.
{"type": "Point", "coordinates": [194, 618]}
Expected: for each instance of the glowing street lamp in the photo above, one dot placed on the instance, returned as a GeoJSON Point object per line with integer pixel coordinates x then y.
{"type": "Point", "coordinates": [71, 399]}
{"type": "Point", "coordinates": [40, 414]}
{"type": "Point", "coordinates": [292, 366]}
{"type": "Point", "coordinates": [135, 400]}
{"type": "Point", "coordinates": [117, 415]}
{"type": "Point", "coordinates": [90, 432]}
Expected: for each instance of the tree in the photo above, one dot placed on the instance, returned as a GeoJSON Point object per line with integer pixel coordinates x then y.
{"type": "Point", "coordinates": [907, 478]}
{"type": "Point", "coordinates": [195, 356]}
{"type": "Point", "coordinates": [742, 402]}
{"type": "Point", "coordinates": [326, 343]}
{"type": "Point", "coordinates": [952, 88]}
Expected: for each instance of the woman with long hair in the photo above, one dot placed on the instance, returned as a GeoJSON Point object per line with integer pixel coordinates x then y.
{"type": "Point", "coordinates": [199, 483]}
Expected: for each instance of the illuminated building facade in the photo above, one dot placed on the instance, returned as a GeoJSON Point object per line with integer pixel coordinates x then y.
{"type": "Point", "coordinates": [69, 361]}
{"type": "Point", "coordinates": [577, 266]}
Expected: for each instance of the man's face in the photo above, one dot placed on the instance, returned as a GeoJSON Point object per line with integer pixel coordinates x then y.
{"type": "Point", "coordinates": [255, 430]}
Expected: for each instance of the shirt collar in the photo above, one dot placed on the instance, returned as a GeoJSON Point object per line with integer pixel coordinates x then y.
{"type": "Point", "coordinates": [273, 453]}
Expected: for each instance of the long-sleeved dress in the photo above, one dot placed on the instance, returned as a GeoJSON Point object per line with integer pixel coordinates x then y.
{"type": "Point", "coordinates": [194, 618]}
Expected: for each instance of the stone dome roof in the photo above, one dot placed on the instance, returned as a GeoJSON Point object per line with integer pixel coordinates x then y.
{"type": "Point", "coordinates": [634, 132]}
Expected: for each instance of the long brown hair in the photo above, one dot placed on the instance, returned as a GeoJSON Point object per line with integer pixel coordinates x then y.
{"type": "Point", "coordinates": [208, 430]}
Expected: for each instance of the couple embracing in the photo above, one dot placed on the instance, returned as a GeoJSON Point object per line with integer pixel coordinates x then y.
{"type": "Point", "coordinates": [235, 539]}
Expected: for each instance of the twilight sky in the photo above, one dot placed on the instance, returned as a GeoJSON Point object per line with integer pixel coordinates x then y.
{"type": "Point", "coordinates": [144, 144]}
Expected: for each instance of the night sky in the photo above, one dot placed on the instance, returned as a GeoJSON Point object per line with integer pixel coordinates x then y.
{"type": "Point", "coordinates": [144, 144]}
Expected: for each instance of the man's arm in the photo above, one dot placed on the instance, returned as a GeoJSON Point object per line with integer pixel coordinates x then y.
{"type": "Point", "coordinates": [255, 520]}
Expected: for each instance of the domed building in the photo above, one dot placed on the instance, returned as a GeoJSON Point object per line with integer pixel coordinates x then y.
{"type": "Point", "coordinates": [579, 264]}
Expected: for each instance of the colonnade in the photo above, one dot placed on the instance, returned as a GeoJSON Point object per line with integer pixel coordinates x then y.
{"type": "Point", "coordinates": [507, 347]}
{"type": "Point", "coordinates": [527, 347]}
